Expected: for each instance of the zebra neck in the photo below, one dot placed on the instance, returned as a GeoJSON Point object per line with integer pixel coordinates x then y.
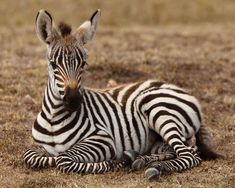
{"type": "Point", "coordinates": [53, 107]}
{"type": "Point", "coordinates": [52, 104]}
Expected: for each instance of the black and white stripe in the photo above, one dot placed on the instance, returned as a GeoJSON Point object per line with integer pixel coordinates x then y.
{"type": "Point", "coordinates": [92, 131]}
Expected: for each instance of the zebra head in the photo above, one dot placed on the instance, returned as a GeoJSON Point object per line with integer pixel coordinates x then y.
{"type": "Point", "coordinates": [66, 55]}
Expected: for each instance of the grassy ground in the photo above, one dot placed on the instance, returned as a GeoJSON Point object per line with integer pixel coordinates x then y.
{"type": "Point", "coordinates": [197, 56]}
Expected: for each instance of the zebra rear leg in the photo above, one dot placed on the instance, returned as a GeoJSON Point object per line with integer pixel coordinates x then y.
{"type": "Point", "coordinates": [159, 152]}
{"type": "Point", "coordinates": [69, 164]}
{"type": "Point", "coordinates": [155, 169]}
{"type": "Point", "coordinates": [186, 158]}
{"type": "Point", "coordinates": [38, 158]}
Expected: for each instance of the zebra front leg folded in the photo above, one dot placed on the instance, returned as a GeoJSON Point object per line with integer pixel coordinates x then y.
{"type": "Point", "coordinates": [38, 158]}
{"type": "Point", "coordinates": [95, 154]}
{"type": "Point", "coordinates": [69, 164]}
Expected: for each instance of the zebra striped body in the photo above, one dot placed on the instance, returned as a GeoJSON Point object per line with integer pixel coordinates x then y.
{"type": "Point", "coordinates": [92, 131]}
{"type": "Point", "coordinates": [126, 115]}
{"type": "Point", "coordinates": [121, 113]}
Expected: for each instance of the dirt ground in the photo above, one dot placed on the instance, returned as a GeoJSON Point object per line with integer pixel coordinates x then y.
{"type": "Point", "coordinates": [199, 57]}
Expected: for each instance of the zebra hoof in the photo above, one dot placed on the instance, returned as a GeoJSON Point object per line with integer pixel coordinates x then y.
{"type": "Point", "coordinates": [138, 164]}
{"type": "Point", "coordinates": [152, 173]}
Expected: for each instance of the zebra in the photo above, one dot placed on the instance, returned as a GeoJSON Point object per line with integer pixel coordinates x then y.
{"type": "Point", "coordinates": [81, 130]}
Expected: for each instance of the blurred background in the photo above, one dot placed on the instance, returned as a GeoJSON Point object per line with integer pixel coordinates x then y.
{"type": "Point", "coordinates": [190, 43]}
{"type": "Point", "coordinates": [121, 12]}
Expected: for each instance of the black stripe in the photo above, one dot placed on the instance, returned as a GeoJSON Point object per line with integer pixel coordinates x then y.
{"type": "Point", "coordinates": [128, 129]}
{"type": "Point", "coordinates": [43, 115]}
{"type": "Point", "coordinates": [59, 56]}
{"type": "Point", "coordinates": [94, 149]}
{"type": "Point", "coordinates": [175, 143]}
{"type": "Point", "coordinates": [78, 51]}
{"type": "Point", "coordinates": [50, 101]}
{"type": "Point", "coordinates": [136, 128]}
{"type": "Point", "coordinates": [88, 151]}
{"type": "Point", "coordinates": [56, 55]}
{"type": "Point", "coordinates": [71, 136]}
{"type": "Point", "coordinates": [98, 111]}
{"type": "Point", "coordinates": [183, 162]}
{"type": "Point", "coordinates": [61, 111]}
{"type": "Point", "coordinates": [69, 126]}
{"type": "Point", "coordinates": [142, 124]}
{"type": "Point", "coordinates": [63, 118]}
{"type": "Point", "coordinates": [130, 91]}
{"type": "Point", "coordinates": [88, 103]}
{"type": "Point", "coordinates": [52, 93]}
{"type": "Point", "coordinates": [172, 164]}
{"type": "Point", "coordinates": [177, 109]}
{"type": "Point", "coordinates": [164, 112]}
{"type": "Point", "coordinates": [150, 97]}
{"type": "Point", "coordinates": [154, 86]}
{"type": "Point", "coordinates": [165, 123]}
{"type": "Point", "coordinates": [81, 137]}
{"type": "Point", "coordinates": [108, 144]}
{"type": "Point", "coordinates": [107, 113]}
{"type": "Point", "coordinates": [172, 129]}
{"type": "Point", "coordinates": [80, 151]}
{"type": "Point", "coordinates": [192, 105]}
{"type": "Point", "coordinates": [113, 107]}
{"type": "Point", "coordinates": [116, 92]}
{"type": "Point", "coordinates": [40, 129]}
{"type": "Point", "coordinates": [101, 141]}
{"type": "Point", "coordinates": [45, 105]}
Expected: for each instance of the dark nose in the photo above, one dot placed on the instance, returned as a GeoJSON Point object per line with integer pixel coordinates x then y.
{"type": "Point", "coordinates": [72, 99]}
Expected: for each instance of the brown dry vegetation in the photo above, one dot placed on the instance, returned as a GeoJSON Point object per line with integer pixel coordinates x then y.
{"type": "Point", "coordinates": [193, 47]}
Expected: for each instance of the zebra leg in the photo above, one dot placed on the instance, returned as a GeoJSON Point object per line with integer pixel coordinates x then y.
{"type": "Point", "coordinates": [38, 158]}
{"type": "Point", "coordinates": [160, 152]}
{"type": "Point", "coordinates": [68, 164]}
{"type": "Point", "coordinates": [95, 154]}
{"type": "Point", "coordinates": [186, 158]}
{"type": "Point", "coordinates": [180, 163]}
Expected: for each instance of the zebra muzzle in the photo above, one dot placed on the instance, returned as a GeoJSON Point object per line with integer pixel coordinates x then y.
{"type": "Point", "coordinates": [72, 99]}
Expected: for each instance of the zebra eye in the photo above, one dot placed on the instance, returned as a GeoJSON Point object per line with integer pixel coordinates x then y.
{"type": "Point", "coordinates": [53, 64]}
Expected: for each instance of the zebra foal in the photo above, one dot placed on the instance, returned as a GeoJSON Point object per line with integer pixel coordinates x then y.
{"type": "Point", "coordinates": [81, 130]}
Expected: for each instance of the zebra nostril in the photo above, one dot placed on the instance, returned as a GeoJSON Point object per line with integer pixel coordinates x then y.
{"type": "Point", "coordinates": [72, 99]}
{"type": "Point", "coordinates": [66, 99]}
{"type": "Point", "coordinates": [68, 94]}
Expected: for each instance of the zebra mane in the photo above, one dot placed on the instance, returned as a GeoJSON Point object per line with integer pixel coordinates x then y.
{"type": "Point", "coordinates": [64, 29]}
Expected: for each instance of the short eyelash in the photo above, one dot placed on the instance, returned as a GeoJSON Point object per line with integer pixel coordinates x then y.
{"type": "Point", "coordinates": [53, 64]}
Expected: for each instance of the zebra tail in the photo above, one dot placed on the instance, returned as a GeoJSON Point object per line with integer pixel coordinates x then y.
{"type": "Point", "coordinates": [203, 142]}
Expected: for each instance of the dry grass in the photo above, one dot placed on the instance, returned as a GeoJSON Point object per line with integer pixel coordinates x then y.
{"type": "Point", "coordinates": [121, 12]}
{"type": "Point", "coordinates": [198, 57]}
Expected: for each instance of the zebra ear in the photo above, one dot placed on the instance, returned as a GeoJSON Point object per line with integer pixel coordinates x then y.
{"type": "Point", "coordinates": [87, 30]}
{"type": "Point", "coordinates": [44, 25]}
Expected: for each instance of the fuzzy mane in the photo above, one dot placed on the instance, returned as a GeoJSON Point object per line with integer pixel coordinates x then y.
{"type": "Point", "coordinates": [64, 29]}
